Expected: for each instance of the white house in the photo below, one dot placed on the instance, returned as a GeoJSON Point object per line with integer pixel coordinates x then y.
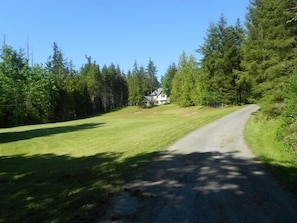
{"type": "Point", "coordinates": [157, 97]}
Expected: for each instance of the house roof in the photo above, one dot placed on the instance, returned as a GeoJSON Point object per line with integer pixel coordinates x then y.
{"type": "Point", "coordinates": [153, 96]}
{"type": "Point", "coordinates": [150, 98]}
{"type": "Point", "coordinates": [157, 92]}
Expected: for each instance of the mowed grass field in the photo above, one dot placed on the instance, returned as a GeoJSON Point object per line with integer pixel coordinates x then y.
{"type": "Point", "coordinates": [67, 172]}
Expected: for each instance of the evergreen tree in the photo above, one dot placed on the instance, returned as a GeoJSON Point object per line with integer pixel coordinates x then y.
{"type": "Point", "coordinates": [289, 131]}
{"type": "Point", "coordinates": [166, 80]}
{"type": "Point", "coordinates": [59, 72]}
{"type": "Point", "coordinates": [152, 81]}
{"type": "Point", "coordinates": [184, 90]}
{"type": "Point", "coordinates": [221, 57]}
{"type": "Point", "coordinates": [40, 91]}
{"type": "Point", "coordinates": [26, 92]}
{"type": "Point", "coordinates": [92, 77]}
{"type": "Point", "coordinates": [120, 88]}
{"type": "Point", "coordinates": [82, 97]}
{"type": "Point", "coordinates": [136, 85]}
{"type": "Point", "coordinates": [131, 88]}
{"type": "Point", "coordinates": [175, 94]}
{"type": "Point", "coordinates": [106, 87]}
{"type": "Point", "coordinates": [115, 87]}
{"type": "Point", "coordinates": [269, 52]}
{"type": "Point", "coordinates": [14, 72]}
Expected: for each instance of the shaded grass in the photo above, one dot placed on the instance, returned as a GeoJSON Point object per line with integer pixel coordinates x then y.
{"type": "Point", "coordinates": [67, 172]}
{"type": "Point", "coordinates": [261, 136]}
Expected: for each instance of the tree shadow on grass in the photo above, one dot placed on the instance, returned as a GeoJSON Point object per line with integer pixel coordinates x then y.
{"type": "Point", "coordinates": [7, 137]}
{"type": "Point", "coordinates": [285, 172]}
{"type": "Point", "coordinates": [51, 188]}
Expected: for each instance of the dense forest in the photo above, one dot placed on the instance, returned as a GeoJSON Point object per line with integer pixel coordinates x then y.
{"type": "Point", "coordinates": [250, 63]}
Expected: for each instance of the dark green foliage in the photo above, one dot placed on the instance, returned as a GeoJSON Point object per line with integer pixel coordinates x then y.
{"type": "Point", "coordinates": [90, 80]}
{"type": "Point", "coordinates": [136, 85]}
{"type": "Point", "coordinates": [101, 90]}
{"type": "Point", "coordinates": [221, 63]}
{"type": "Point", "coordinates": [141, 82]}
{"type": "Point", "coordinates": [59, 72]}
{"type": "Point", "coordinates": [269, 58]}
{"type": "Point", "coordinates": [289, 130]}
{"type": "Point", "coordinates": [185, 82]}
{"type": "Point", "coordinates": [152, 82]}
{"type": "Point", "coordinates": [269, 52]}
{"type": "Point", "coordinates": [56, 92]}
{"type": "Point", "coordinates": [82, 98]}
{"type": "Point", "coordinates": [166, 80]}
{"type": "Point", "coordinates": [26, 92]}
{"type": "Point", "coordinates": [40, 91]}
{"type": "Point", "coordinates": [114, 90]}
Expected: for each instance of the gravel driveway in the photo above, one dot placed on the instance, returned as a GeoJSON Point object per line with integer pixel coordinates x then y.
{"type": "Point", "coordinates": [208, 176]}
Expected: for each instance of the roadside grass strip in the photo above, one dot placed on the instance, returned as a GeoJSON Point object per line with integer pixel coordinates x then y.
{"type": "Point", "coordinates": [261, 137]}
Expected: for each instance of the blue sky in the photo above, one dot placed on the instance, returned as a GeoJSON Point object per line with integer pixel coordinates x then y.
{"type": "Point", "coordinates": [114, 31]}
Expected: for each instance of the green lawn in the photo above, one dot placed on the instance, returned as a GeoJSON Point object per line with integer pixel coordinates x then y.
{"type": "Point", "coordinates": [261, 136]}
{"type": "Point", "coordinates": [67, 172]}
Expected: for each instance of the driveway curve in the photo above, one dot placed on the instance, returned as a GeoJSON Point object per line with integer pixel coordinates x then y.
{"type": "Point", "coordinates": [209, 175]}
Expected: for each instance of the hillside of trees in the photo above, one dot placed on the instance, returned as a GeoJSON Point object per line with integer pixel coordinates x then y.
{"type": "Point", "coordinates": [250, 63]}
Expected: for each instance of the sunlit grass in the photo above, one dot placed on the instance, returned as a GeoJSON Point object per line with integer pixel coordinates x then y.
{"type": "Point", "coordinates": [131, 130]}
{"type": "Point", "coordinates": [66, 172]}
{"type": "Point", "coordinates": [261, 136]}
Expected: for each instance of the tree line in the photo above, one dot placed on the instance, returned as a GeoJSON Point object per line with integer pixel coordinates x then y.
{"type": "Point", "coordinates": [57, 92]}
{"type": "Point", "coordinates": [216, 79]}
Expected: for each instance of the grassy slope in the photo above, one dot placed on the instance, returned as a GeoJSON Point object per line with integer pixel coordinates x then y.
{"type": "Point", "coordinates": [261, 136]}
{"type": "Point", "coordinates": [66, 172]}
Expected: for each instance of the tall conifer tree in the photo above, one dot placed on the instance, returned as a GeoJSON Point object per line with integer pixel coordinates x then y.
{"type": "Point", "coordinates": [151, 72]}
{"type": "Point", "coordinates": [221, 56]}
{"type": "Point", "coordinates": [184, 82]}
{"type": "Point", "coordinates": [59, 72]}
{"type": "Point", "coordinates": [136, 85]}
{"type": "Point", "coordinates": [166, 80]}
{"type": "Point", "coordinates": [269, 52]}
